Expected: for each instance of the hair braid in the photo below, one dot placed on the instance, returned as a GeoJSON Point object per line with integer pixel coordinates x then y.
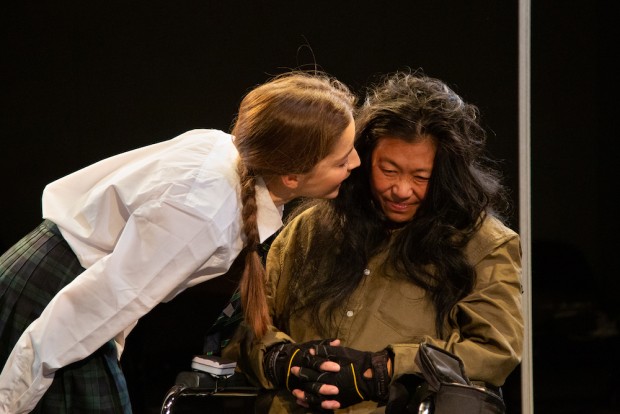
{"type": "Point", "coordinates": [252, 285]}
{"type": "Point", "coordinates": [284, 126]}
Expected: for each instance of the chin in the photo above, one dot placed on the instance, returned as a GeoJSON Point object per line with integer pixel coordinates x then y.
{"type": "Point", "coordinates": [396, 219]}
{"type": "Point", "coordinates": [333, 194]}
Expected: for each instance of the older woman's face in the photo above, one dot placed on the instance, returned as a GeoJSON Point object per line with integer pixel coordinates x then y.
{"type": "Point", "coordinates": [400, 173]}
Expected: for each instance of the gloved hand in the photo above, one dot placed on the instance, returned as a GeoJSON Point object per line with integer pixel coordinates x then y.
{"type": "Point", "coordinates": [363, 376]}
{"type": "Point", "coordinates": [280, 358]}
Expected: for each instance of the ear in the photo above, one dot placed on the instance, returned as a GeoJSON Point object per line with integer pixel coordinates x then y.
{"type": "Point", "coordinates": [291, 181]}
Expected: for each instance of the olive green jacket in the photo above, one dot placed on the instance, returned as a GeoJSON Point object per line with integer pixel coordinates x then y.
{"type": "Point", "coordinates": [485, 328]}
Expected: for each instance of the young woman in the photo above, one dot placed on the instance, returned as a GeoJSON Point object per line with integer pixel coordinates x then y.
{"type": "Point", "coordinates": [412, 250]}
{"type": "Point", "coordinates": [133, 230]}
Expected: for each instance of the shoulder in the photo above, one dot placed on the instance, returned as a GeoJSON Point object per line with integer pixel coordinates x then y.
{"type": "Point", "coordinates": [298, 232]}
{"type": "Point", "coordinates": [301, 225]}
{"type": "Point", "coordinates": [184, 154]}
{"type": "Point", "coordinates": [491, 235]}
{"type": "Point", "coordinates": [205, 140]}
{"type": "Point", "coordinates": [201, 170]}
{"type": "Point", "coordinates": [207, 155]}
{"type": "Point", "coordinates": [204, 134]}
{"type": "Point", "coordinates": [303, 219]}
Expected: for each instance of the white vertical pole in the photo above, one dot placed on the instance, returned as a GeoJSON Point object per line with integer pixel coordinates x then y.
{"type": "Point", "coordinates": [527, 388]}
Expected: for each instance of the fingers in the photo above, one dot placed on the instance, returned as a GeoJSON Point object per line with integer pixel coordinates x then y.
{"type": "Point", "coordinates": [330, 404]}
{"type": "Point", "coordinates": [326, 366]}
{"type": "Point", "coordinates": [323, 389]}
{"type": "Point", "coordinates": [340, 354]}
{"type": "Point", "coordinates": [317, 362]}
{"type": "Point", "coordinates": [327, 389]}
{"type": "Point", "coordinates": [306, 375]}
{"type": "Point", "coordinates": [308, 399]}
{"type": "Point", "coordinates": [310, 360]}
{"type": "Point", "coordinates": [330, 366]}
{"type": "Point", "coordinates": [319, 389]}
{"type": "Point", "coordinates": [310, 375]}
{"type": "Point", "coordinates": [317, 382]}
{"type": "Point", "coordinates": [316, 389]}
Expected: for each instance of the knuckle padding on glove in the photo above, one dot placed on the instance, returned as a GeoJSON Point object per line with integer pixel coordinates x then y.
{"type": "Point", "coordinates": [311, 361]}
{"type": "Point", "coordinates": [312, 388]}
{"type": "Point", "coordinates": [311, 375]}
{"type": "Point", "coordinates": [280, 358]}
{"type": "Point", "coordinates": [353, 386]}
{"type": "Point", "coordinates": [314, 400]}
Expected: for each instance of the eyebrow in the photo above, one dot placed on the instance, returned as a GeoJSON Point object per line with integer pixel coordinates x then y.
{"type": "Point", "coordinates": [396, 165]}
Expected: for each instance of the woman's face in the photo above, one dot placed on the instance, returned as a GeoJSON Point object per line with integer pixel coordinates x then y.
{"type": "Point", "coordinates": [399, 175]}
{"type": "Point", "coordinates": [324, 180]}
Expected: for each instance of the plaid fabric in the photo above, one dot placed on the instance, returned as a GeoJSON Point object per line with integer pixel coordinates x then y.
{"type": "Point", "coordinates": [222, 330]}
{"type": "Point", "coordinates": [31, 273]}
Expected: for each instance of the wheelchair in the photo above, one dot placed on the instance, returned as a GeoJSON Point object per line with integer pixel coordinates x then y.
{"type": "Point", "coordinates": [200, 392]}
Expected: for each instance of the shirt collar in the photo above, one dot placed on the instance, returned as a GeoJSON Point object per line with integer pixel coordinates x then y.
{"type": "Point", "coordinates": [269, 217]}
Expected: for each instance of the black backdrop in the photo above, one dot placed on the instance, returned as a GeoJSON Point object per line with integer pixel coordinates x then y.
{"type": "Point", "coordinates": [85, 80]}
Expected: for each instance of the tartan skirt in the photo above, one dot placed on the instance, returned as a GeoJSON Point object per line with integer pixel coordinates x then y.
{"type": "Point", "coordinates": [31, 273]}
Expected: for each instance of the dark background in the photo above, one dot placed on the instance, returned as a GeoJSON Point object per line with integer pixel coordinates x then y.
{"type": "Point", "coordinates": [86, 80]}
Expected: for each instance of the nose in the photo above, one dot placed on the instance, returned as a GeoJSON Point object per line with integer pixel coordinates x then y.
{"type": "Point", "coordinates": [402, 189]}
{"type": "Point", "coordinates": [354, 160]}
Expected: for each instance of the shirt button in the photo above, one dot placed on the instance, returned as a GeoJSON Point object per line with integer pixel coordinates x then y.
{"type": "Point", "coordinates": [349, 313]}
{"type": "Point", "coordinates": [366, 272]}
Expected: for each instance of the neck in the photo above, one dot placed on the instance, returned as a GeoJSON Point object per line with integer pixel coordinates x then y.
{"type": "Point", "coordinates": [280, 194]}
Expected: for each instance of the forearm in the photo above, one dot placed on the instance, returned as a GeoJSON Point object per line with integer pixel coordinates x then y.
{"type": "Point", "coordinates": [106, 299]}
{"type": "Point", "coordinates": [22, 383]}
{"type": "Point", "coordinates": [483, 362]}
{"type": "Point", "coordinates": [488, 340]}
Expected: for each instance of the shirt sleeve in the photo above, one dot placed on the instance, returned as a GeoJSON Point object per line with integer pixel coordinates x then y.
{"type": "Point", "coordinates": [487, 325]}
{"type": "Point", "coordinates": [162, 244]}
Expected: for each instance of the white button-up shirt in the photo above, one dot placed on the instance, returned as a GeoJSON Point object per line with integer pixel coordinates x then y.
{"type": "Point", "coordinates": [145, 224]}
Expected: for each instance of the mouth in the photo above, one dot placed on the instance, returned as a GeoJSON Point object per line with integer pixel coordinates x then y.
{"type": "Point", "coordinates": [397, 206]}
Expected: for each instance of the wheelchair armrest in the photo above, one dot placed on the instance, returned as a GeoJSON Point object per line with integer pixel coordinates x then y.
{"type": "Point", "coordinates": [201, 384]}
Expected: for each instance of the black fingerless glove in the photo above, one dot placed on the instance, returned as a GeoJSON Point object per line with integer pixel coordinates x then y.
{"type": "Point", "coordinates": [280, 358]}
{"type": "Point", "coordinates": [353, 386]}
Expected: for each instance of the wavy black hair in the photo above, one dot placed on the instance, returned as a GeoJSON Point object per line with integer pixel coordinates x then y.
{"type": "Point", "coordinates": [464, 186]}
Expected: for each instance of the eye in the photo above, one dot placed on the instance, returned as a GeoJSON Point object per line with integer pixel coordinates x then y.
{"type": "Point", "coordinates": [389, 172]}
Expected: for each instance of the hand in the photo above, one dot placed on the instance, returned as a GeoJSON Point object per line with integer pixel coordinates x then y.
{"type": "Point", "coordinates": [363, 376]}
{"type": "Point", "coordinates": [280, 358]}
